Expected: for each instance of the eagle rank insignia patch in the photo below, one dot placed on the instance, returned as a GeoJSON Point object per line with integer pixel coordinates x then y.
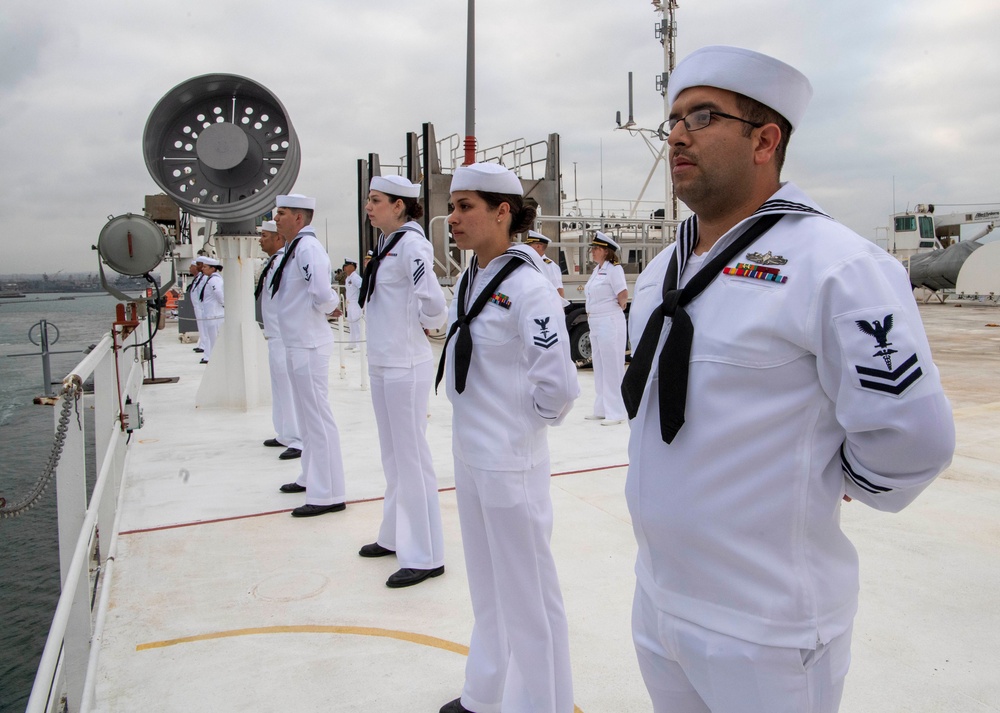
{"type": "Point", "coordinates": [881, 351]}
{"type": "Point", "coordinates": [546, 337]}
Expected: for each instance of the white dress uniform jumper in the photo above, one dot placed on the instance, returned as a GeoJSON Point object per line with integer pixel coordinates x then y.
{"type": "Point", "coordinates": [303, 297]}
{"type": "Point", "coordinates": [286, 425]}
{"type": "Point", "coordinates": [407, 300]}
{"type": "Point", "coordinates": [608, 338]}
{"type": "Point", "coordinates": [517, 381]}
{"type": "Point", "coordinates": [213, 310]}
{"type": "Point", "coordinates": [809, 378]}
{"type": "Point", "coordinates": [352, 289]}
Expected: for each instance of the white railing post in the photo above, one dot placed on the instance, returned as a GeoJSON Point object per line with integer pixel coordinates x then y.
{"type": "Point", "coordinates": [71, 499]}
{"type": "Point", "coordinates": [105, 421]}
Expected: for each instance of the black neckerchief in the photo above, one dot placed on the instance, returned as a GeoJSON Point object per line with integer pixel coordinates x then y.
{"type": "Point", "coordinates": [201, 296]}
{"type": "Point", "coordinates": [368, 281]}
{"type": "Point", "coordinates": [263, 274]}
{"type": "Point", "coordinates": [463, 345]}
{"type": "Point", "coordinates": [675, 357]}
{"type": "Point", "coordinates": [276, 280]}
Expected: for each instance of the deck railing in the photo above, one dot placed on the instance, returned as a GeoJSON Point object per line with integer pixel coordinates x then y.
{"type": "Point", "coordinates": [88, 532]}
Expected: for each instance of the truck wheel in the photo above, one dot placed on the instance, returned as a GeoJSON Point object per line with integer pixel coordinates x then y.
{"type": "Point", "coordinates": [579, 344]}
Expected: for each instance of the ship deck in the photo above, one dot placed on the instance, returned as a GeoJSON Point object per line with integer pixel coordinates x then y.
{"type": "Point", "coordinates": [221, 601]}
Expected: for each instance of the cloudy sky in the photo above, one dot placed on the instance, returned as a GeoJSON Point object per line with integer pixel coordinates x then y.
{"type": "Point", "coordinates": [906, 107]}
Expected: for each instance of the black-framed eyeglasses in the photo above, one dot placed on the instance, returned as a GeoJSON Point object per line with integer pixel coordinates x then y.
{"type": "Point", "coordinates": [699, 119]}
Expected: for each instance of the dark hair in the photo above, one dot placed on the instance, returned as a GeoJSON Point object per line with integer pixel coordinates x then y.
{"type": "Point", "coordinates": [753, 110]}
{"type": "Point", "coordinates": [412, 208]}
{"type": "Point", "coordinates": [611, 254]}
{"type": "Point", "coordinates": [522, 216]}
{"type": "Point", "coordinates": [306, 212]}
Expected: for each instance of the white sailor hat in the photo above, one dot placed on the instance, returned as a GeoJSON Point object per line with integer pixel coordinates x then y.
{"type": "Point", "coordinates": [395, 186]}
{"type": "Point", "coordinates": [270, 226]}
{"type": "Point", "coordinates": [295, 200]}
{"type": "Point", "coordinates": [350, 261]}
{"type": "Point", "coordinates": [536, 237]}
{"type": "Point", "coordinates": [198, 259]}
{"type": "Point", "coordinates": [194, 262]}
{"type": "Point", "coordinates": [210, 261]}
{"type": "Point", "coordinates": [602, 240]}
{"type": "Point", "coordinates": [766, 79]}
{"type": "Point", "coordinates": [486, 177]}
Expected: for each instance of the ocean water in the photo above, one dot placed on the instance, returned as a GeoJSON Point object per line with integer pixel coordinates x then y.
{"type": "Point", "coordinates": [29, 553]}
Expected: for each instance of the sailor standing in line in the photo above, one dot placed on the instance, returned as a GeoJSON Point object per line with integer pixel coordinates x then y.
{"type": "Point", "coordinates": [509, 376]}
{"type": "Point", "coordinates": [193, 290]}
{"type": "Point", "coordinates": [286, 425]}
{"type": "Point", "coordinates": [402, 299]}
{"type": "Point", "coordinates": [607, 295]}
{"type": "Point", "coordinates": [549, 267]}
{"type": "Point", "coordinates": [779, 368]}
{"type": "Point", "coordinates": [213, 306]}
{"type": "Point", "coordinates": [302, 294]}
{"type": "Point", "coordinates": [352, 289]}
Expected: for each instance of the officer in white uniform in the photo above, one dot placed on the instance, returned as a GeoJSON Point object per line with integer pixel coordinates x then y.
{"type": "Point", "coordinates": [550, 268]}
{"type": "Point", "coordinates": [352, 288]}
{"type": "Point", "coordinates": [518, 380]}
{"type": "Point", "coordinates": [286, 426]}
{"type": "Point", "coordinates": [607, 295]}
{"type": "Point", "coordinates": [778, 369]}
{"type": "Point", "coordinates": [302, 294]}
{"type": "Point", "coordinates": [403, 302]}
{"type": "Point", "coordinates": [193, 290]}
{"type": "Point", "coordinates": [213, 307]}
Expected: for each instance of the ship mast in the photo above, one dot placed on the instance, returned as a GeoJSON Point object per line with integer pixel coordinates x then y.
{"type": "Point", "coordinates": [470, 87]}
{"type": "Point", "coordinates": [666, 33]}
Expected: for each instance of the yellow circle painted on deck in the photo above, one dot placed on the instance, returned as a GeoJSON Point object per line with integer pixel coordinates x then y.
{"type": "Point", "coordinates": [421, 639]}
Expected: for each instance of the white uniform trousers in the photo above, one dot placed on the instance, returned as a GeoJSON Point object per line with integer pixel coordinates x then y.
{"type": "Point", "coordinates": [286, 425]}
{"type": "Point", "coordinates": [411, 513]}
{"type": "Point", "coordinates": [690, 669]}
{"type": "Point", "coordinates": [210, 328]}
{"type": "Point", "coordinates": [519, 651]}
{"type": "Point", "coordinates": [199, 320]}
{"type": "Point", "coordinates": [322, 462]}
{"type": "Point", "coordinates": [607, 341]}
{"type": "Point", "coordinates": [354, 334]}
{"type": "Point", "coordinates": [354, 325]}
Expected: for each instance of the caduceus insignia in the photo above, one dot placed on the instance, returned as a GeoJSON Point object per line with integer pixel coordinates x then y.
{"type": "Point", "coordinates": [766, 258]}
{"type": "Point", "coordinates": [879, 330]}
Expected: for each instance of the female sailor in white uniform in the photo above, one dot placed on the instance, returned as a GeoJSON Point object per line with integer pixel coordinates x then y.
{"type": "Point", "coordinates": [402, 298]}
{"type": "Point", "coordinates": [509, 376]}
{"type": "Point", "coordinates": [213, 306]}
{"type": "Point", "coordinates": [607, 295]}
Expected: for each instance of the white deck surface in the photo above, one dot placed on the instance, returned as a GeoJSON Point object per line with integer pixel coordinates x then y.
{"type": "Point", "coordinates": [221, 601]}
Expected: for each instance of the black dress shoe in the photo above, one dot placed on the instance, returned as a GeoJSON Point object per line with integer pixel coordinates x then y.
{"type": "Point", "coordinates": [197, 349]}
{"type": "Point", "coordinates": [290, 453]}
{"type": "Point", "coordinates": [203, 361]}
{"type": "Point", "coordinates": [375, 550]}
{"type": "Point", "coordinates": [292, 488]}
{"type": "Point", "coordinates": [310, 510]}
{"type": "Point", "coordinates": [274, 443]}
{"type": "Point", "coordinates": [409, 577]}
{"type": "Point", "coordinates": [454, 706]}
